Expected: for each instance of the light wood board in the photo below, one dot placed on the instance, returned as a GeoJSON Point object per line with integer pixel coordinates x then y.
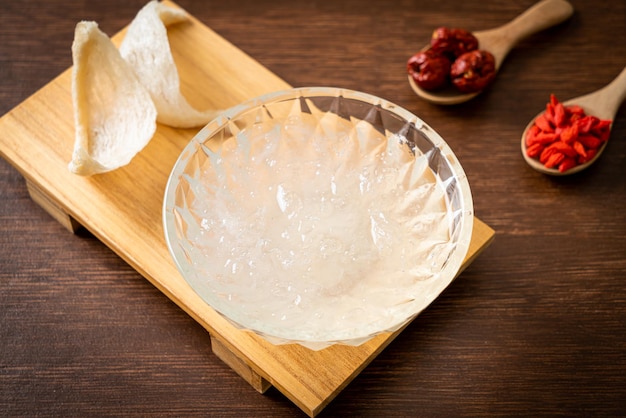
{"type": "Point", "coordinates": [123, 208]}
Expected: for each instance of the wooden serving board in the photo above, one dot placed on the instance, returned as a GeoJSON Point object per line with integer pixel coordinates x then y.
{"type": "Point", "coordinates": [123, 208]}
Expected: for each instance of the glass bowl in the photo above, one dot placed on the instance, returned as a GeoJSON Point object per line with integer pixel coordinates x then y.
{"type": "Point", "coordinates": [318, 216]}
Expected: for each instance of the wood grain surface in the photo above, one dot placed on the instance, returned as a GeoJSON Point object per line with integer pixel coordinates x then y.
{"type": "Point", "coordinates": [535, 326]}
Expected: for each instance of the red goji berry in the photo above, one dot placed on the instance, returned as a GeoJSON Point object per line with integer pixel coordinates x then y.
{"type": "Point", "coordinates": [543, 138]}
{"type": "Point", "coordinates": [559, 115]}
{"type": "Point", "coordinates": [604, 135]}
{"type": "Point", "coordinates": [590, 154]}
{"type": "Point", "coordinates": [564, 136]}
{"type": "Point", "coordinates": [575, 110]}
{"type": "Point", "coordinates": [569, 134]}
{"type": "Point", "coordinates": [543, 123]}
{"type": "Point", "coordinates": [602, 130]}
{"type": "Point", "coordinates": [566, 164]}
{"type": "Point", "coordinates": [563, 148]}
{"type": "Point", "coordinates": [546, 154]}
{"type": "Point", "coordinates": [534, 150]}
{"type": "Point", "coordinates": [553, 100]}
{"type": "Point", "coordinates": [574, 117]}
{"type": "Point", "coordinates": [584, 124]}
{"type": "Point", "coordinates": [603, 124]}
{"type": "Point", "coordinates": [531, 135]}
{"type": "Point", "coordinates": [555, 159]}
{"type": "Point", "coordinates": [580, 148]}
{"type": "Point", "coordinates": [534, 130]}
{"type": "Point", "coordinates": [589, 141]}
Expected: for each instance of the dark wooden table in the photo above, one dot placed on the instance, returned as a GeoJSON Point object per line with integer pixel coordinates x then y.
{"type": "Point", "coordinates": [535, 326]}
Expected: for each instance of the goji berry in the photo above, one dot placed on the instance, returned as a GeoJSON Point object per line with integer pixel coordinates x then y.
{"type": "Point", "coordinates": [547, 137]}
{"type": "Point", "coordinates": [585, 123]}
{"type": "Point", "coordinates": [542, 122]}
{"type": "Point", "coordinates": [603, 124]}
{"type": "Point", "coordinates": [569, 134]}
{"type": "Point", "coordinates": [564, 136]}
{"type": "Point", "coordinates": [604, 135]}
{"type": "Point", "coordinates": [602, 129]}
{"type": "Point", "coordinates": [567, 163]}
{"type": "Point", "coordinates": [555, 159]}
{"type": "Point", "coordinates": [563, 148]}
{"type": "Point", "coordinates": [534, 150]}
{"type": "Point", "coordinates": [559, 115]}
{"type": "Point", "coordinates": [589, 141]}
{"type": "Point", "coordinates": [575, 116]}
{"type": "Point", "coordinates": [553, 100]}
{"type": "Point", "coordinates": [542, 138]}
{"type": "Point", "coordinates": [546, 154]}
{"type": "Point", "coordinates": [580, 148]}
{"type": "Point", "coordinates": [575, 110]}
{"type": "Point", "coordinates": [531, 135]}
{"type": "Point", "coordinates": [590, 154]}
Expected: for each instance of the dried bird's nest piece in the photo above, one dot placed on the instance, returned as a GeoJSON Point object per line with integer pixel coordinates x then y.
{"type": "Point", "coordinates": [119, 95]}
{"type": "Point", "coordinates": [146, 48]}
{"type": "Point", "coordinates": [114, 115]}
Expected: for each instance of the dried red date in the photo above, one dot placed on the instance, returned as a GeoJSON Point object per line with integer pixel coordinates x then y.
{"type": "Point", "coordinates": [473, 71]}
{"type": "Point", "coordinates": [453, 42]}
{"type": "Point", "coordinates": [452, 58]}
{"type": "Point", "coordinates": [429, 69]}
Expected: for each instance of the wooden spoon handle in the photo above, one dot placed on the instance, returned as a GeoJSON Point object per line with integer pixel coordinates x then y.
{"type": "Point", "coordinates": [605, 102]}
{"type": "Point", "coordinates": [542, 15]}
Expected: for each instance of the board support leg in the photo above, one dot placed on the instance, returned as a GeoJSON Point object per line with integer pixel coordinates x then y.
{"type": "Point", "coordinates": [239, 366]}
{"type": "Point", "coordinates": [53, 208]}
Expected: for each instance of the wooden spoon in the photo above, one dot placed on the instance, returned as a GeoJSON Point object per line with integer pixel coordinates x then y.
{"type": "Point", "coordinates": [500, 41]}
{"type": "Point", "coordinates": [603, 104]}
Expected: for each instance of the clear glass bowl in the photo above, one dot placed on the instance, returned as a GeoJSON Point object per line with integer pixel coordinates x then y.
{"type": "Point", "coordinates": [318, 216]}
